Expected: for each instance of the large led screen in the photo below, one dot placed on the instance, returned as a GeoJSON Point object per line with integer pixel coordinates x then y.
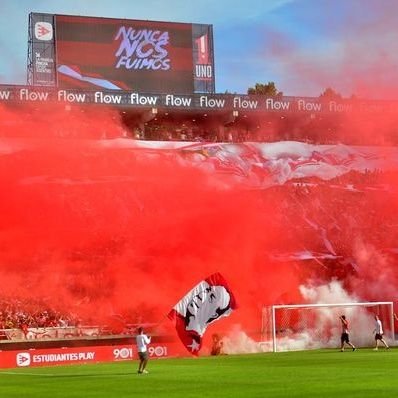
{"type": "Point", "coordinates": [121, 54]}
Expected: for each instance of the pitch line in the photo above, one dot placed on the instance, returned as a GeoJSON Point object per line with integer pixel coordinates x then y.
{"type": "Point", "coordinates": [64, 374]}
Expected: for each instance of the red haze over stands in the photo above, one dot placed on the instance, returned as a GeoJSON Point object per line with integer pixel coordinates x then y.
{"type": "Point", "coordinates": [98, 227]}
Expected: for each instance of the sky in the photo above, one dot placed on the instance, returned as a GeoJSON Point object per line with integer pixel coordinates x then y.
{"type": "Point", "coordinates": [304, 46]}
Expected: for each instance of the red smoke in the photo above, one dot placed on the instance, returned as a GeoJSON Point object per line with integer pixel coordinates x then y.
{"type": "Point", "coordinates": [99, 228]}
{"type": "Point", "coordinates": [351, 47]}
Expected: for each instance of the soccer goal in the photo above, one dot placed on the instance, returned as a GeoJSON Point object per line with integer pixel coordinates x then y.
{"type": "Point", "coordinates": [311, 326]}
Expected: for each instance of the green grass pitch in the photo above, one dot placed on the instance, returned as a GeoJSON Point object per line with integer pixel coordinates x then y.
{"type": "Point", "coordinates": [322, 373]}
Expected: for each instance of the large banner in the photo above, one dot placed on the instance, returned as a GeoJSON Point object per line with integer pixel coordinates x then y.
{"type": "Point", "coordinates": [121, 54]}
{"type": "Point", "coordinates": [210, 300]}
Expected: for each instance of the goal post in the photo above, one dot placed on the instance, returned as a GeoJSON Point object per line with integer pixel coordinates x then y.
{"type": "Point", "coordinates": [311, 326]}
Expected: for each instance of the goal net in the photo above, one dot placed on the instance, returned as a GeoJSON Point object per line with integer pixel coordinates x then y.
{"type": "Point", "coordinates": [310, 326]}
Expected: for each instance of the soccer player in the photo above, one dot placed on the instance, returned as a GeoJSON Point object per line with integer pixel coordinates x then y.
{"type": "Point", "coordinates": [142, 340]}
{"type": "Point", "coordinates": [345, 336]}
{"type": "Point", "coordinates": [379, 333]}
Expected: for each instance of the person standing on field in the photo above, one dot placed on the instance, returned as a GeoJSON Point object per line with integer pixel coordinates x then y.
{"type": "Point", "coordinates": [142, 341]}
{"type": "Point", "coordinates": [345, 334]}
{"type": "Point", "coordinates": [379, 333]}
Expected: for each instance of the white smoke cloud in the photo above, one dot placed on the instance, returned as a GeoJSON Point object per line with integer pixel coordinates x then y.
{"type": "Point", "coordinates": [320, 327]}
{"type": "Point", "coordinates": [238, 342]}
{"type": "Point", "coordinates": [331, 293]}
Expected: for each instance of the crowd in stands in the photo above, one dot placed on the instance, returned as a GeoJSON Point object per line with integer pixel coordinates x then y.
{"type": "Point", "coordinates": [333, 217]}
{"type": "Point", "coordinates": [327, 217]}
{"type": "Point", "coordinates": [314, 130]}
{"type": "Point", "coordinates": [22, 313]}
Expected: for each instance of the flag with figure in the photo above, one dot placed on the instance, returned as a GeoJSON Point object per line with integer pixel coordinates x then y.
{"type": "Point", "coordinates": [210, 300]}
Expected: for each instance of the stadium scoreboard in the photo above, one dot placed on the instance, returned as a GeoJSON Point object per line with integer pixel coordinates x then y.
{"type": "Point", "coordinates": [69, 51]}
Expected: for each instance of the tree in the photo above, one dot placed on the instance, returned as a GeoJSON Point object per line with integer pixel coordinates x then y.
{"type": "Point", "coordinates": [268, 90]}
{"type": "Point", "coordinates": [329, 94]}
